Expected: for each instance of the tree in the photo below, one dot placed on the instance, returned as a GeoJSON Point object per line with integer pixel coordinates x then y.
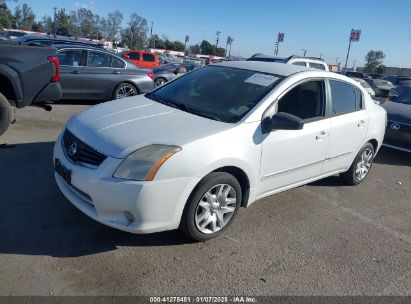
{"type": "Point", "coordinates": [195, 49]}
{"type": "Point", "coordinates": [178, 46]}
{"type": "Point", "coordinates": [62, 23]}
{"type": "Point", "coordinates": [47, 24]}
{"type": "Point", "coordinates": [6, 16]}
{"type": "Point", "coordinates": [18, 16]}
{"type": "Point", "coordinates": [135, 35]}
{"type": "Point", "coordinates": [27, 18]}
{"type": "Point", "coordinates": [374, 61]}
{"type": "Point", "coordinates": [113, 27]}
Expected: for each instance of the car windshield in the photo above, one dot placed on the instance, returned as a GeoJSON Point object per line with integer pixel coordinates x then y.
{"type": "Point", "coordinates": [220, 93]}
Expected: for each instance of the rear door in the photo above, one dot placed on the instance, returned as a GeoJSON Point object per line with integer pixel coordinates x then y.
{"type": "Point", "coordinates": [101, 75]}
{"type": "Point", "coordinates": [349, 121]}
{"type": "Point", "coordinates": [71, 72]}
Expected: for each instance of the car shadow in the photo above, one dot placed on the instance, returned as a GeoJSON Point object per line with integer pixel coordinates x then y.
{"type": "Point", "coordinates": [38, 220]}
{"type": "Point", "coordinates": [385, 156]}
{"type": "Point", "coordinates": [389, 156]}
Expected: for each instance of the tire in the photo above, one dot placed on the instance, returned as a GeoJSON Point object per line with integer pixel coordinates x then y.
{"type": "Point", "coordinates": [206, 214]}
{"type": "Point", "coordinates": [125, 89]}
{"type": "Point", "coordinates": [361, 166]}
{"type": "Point", "coordinates": [159, 81]}
{"type": "Point", "coordinates": [5, 114]}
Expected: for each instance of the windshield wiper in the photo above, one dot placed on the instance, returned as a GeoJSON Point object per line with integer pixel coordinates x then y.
{"type": "Point", "coordinates": [181, 106]}
{"type": "Point", "coordinates": [188, 109]}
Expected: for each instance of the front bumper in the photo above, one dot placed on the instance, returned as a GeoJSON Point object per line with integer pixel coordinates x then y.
{"type": "Point", "coordinates": [132, 206]}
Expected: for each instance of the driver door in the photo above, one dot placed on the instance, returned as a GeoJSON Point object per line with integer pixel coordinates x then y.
{"type": "Point", "coordinates": [290, 157]}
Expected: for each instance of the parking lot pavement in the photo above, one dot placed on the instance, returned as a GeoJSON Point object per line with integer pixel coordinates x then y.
{"type": "Point", "coordinates": [321, 239]}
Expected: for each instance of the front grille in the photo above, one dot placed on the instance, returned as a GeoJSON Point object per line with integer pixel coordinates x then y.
{"type": "Point", "coordinates": [400, 138]}
{"type": "Point", "coordinates": [79, 152]}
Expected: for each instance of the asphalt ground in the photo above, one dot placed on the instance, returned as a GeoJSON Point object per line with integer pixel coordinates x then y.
{"type": "Point", "coordinates": [324, 238]}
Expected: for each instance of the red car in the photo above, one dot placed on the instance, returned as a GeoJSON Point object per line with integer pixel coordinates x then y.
{"type": "Point", "coordinates": [141, 58]}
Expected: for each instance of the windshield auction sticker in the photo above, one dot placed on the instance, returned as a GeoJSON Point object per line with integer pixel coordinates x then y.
{"type": "Point", "coordinates": [262, 79]}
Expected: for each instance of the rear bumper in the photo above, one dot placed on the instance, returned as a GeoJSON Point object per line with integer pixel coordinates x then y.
{"type": "Point", "coordinates": [144, 85]}
{"type": "Point", "coordinates": [52, 92]}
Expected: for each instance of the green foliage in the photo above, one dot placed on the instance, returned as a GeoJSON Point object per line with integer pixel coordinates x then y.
{"type": "Point", "coordinates": [374, 61]}
{"type": "Point", "coordinates": [135, 34]}
{"type": "Point", "coordinates": [6, 17]}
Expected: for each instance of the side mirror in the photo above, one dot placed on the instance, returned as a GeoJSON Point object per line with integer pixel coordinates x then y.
{"type": "Point", "coordinates": [282, 121]}
{"type": "Point", "coordinates": [127, 56]}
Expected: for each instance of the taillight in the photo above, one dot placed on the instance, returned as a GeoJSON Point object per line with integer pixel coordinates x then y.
{"type": "Point", "coordinates": [54, 60]}
{"type": "Point", "coordinates": [151, 75]}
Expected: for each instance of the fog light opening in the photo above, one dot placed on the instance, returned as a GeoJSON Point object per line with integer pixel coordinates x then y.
{"type": "Point", "coordinates": [129, 217]}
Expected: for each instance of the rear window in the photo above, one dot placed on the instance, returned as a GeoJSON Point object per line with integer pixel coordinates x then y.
{"type": "Point", "coordinates": [318, 66]}
{"type": "Point", "coordinates": [300, 63]}
{"type": "Point", "coordinates": [148, 57]}
{"type": "Point", "coordinates": [345, 97]}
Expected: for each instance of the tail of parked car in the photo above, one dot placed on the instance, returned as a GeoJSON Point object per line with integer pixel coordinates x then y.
{"type": "Point", "coordinates": [28, 76]}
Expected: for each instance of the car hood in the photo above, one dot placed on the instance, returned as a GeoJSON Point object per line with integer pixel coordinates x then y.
{"type": "Point", "coordinates": [398, 112]}
{"type": "Point", "coordinates": [118, 128]}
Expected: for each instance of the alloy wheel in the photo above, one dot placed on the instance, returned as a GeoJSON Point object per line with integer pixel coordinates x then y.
{"type": "Point", "coordinates": [364, 164]}
{"type": "Point", "coordinates": [216, 208]}
{"type": "Point", "coordinates": [125, 91]}
{"type": "Point", "coordinates": [159, 82]}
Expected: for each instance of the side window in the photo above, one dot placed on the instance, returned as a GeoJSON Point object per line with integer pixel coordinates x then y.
{"type": "Point", "coordinates": [302, 63]}
{"type": "Point", "coordinates": [98, 59]}
{"type": "Point", "coordinates": [134, 55]}
{"type": "Point", "coordinates": [344, 97]}
{"type": "Point", "coordinates": [317, 66]}
{"type": "Point", "coordinates": [69, 57]}
{"type": "Point", "coordinates": [305, 100]}
{"type": "Point", "coordinates": [116, 63]}
{"type": "Point", "coordinates": [359, 104]}
{"type": "Point", "coordinates": [148, 57]}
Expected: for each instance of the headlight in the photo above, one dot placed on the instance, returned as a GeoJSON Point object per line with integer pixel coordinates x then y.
{"type": "Point", "coordinates": [144, 163]}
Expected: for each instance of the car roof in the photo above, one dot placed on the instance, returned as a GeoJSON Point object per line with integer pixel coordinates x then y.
{"type": "Point", "coordinates": [266, 67]}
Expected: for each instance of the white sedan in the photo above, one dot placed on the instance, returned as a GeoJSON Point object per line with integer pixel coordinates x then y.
{"type": "Point", "coordinates": [189, 154]}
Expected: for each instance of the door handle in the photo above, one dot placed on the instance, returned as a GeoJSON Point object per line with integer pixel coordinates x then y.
{"type": "Point", "coordinates": [322, 135]}
{"type": "Point", "coordinates": [361, 123]}
{"type": "Point", "coordinates": [75, 72]}
{"type": "Point", "coordinates": [115, 72]}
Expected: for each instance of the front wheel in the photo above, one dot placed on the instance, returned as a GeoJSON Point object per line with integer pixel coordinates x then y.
{"type": "Point", "coordinates": [212, 206]}
{"type": "Point", "coordinates": [124, 89]}
{"type": "Point", "coordinates": [361, 166]}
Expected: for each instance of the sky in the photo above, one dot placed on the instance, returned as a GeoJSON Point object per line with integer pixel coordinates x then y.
{"type": "Point", "coordinates": [321, 27]}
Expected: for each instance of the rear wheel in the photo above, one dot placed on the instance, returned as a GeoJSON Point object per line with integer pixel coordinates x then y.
{"type": "Point", "coordinates": [361, 166]}
{"type": "Point", "coordinates": [125, 89]}
{"type": "Point", "coordinates": [212, 206]}
{"type": "Point", "coordinates": [5, 114]}
{"type": "Point", "coordinates": [159, 82]}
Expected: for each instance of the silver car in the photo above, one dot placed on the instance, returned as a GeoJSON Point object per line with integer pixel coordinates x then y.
{"type": "Point", "coordinates": [95, 74]}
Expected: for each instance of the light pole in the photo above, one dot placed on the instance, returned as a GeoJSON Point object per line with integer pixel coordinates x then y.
{"type": "Point", "coordinates": [354, 36]}
{"type": "Point", "coordinates": [218, 37]}
{"type": "Point", "coordinates": [54, 23]}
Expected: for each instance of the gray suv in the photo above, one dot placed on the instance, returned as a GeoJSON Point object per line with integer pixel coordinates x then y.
{"type": "Point", "coordinates": [95, 74]}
